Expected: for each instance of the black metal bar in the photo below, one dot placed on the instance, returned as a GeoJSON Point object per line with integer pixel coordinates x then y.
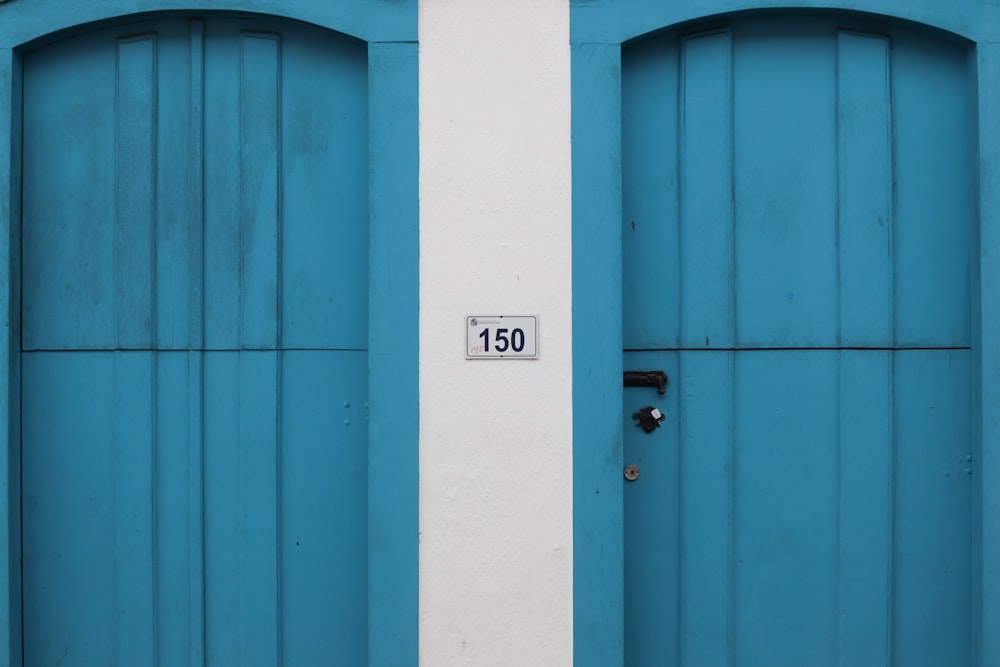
{"type": "Point", "coordinates": [656, 379]}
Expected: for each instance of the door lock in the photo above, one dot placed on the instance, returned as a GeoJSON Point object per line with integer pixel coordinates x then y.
{"type": "Point", "coordinates": [648, 418]}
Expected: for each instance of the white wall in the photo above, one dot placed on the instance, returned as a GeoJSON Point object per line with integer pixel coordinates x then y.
{"type": "Point", "coordinates": [495, 436]}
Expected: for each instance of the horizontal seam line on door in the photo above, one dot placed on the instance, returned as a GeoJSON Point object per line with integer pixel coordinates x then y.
{"type": "Point", "coordinates": [197, 349]}
{"type": "Point", "coordinates": [792, 349]}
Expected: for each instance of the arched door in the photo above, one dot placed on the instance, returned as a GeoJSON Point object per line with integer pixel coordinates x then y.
{"type": "Point", "coordinates": [797, 232]}
{"type": "Point", "coordinates": [194, 340]}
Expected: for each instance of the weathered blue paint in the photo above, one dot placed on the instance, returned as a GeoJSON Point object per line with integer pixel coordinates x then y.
{"type": "Point", "coordinates": [607, 21]}
{"type": "Point", "coordinates": [763, 509]}
{"type": "Point", "coordinates": [369, 20]}
{"type": "Point", "coordinates": [888, 316]}
{"type": "Point", "coordinates": [598, 557]}
{"type": "Point", "coordinates": [222, 342]}
{"type": "Point", "coordinates": [844, 173]}
{"type": "Point", "coordinates": [393, 409]}
{"type": "Point", "coordinates": [987, 353]}
{"type": "Point", "coordinates": [281, 256]}
{"type": "Point", "coordinates": [10, 409]}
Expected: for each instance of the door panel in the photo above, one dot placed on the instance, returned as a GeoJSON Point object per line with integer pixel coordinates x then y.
{"type": "Point", "coordinates": [819, 496]}
{"type": "Point", "coordinates": [204, 199]}
{"type": "Point", "coordinates": [807, 499]}
{"type": "Point", "coordinates": [775, 196]}
{"type": "Point", "coordinates": [72, 484]}
{"type": "Point", "coordinates": [285, 459]}
{"type": "Point", "coordinates": [194, 346]}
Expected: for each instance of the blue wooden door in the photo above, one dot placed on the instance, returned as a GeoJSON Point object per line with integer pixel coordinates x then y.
{"type": "Point", "coordinates": [194, 345]}
{"type": "Point", "coordinates": [798, 206]}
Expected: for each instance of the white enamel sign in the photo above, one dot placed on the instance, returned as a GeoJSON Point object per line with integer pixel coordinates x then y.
{"type": "Point", "coordinates": [501, 337]}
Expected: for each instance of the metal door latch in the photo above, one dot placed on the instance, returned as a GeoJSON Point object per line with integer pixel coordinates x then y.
{"type": "Point", "coordinates": [656, 379]}
{"type": "Point", "coordinates": [648, 418]}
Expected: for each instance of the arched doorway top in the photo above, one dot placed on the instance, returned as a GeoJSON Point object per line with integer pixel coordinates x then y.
{"type": "Point", "coordinates": [616, 21]}
{"type": "Point", "coordinates": [22, 21]}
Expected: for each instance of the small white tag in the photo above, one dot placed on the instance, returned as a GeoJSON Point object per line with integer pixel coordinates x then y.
{"type": "Point", "coordinates": [656, 414]}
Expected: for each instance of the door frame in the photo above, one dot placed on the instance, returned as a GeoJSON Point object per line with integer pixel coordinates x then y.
{"type": "Point", "coordinates": [390, 30]}
{"type": "Point", "coordinates": [598, 29]}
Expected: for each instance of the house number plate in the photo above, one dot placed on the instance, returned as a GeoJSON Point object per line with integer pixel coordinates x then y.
{"type": "Point", "coordinates": [501, 337]}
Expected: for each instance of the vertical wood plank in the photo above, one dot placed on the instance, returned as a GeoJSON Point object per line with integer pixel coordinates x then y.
{"type": "Point", "coordinates": [259, 518]}
{"type": "Point", "coordinates": [69, 485]}
{"type": "Point", "coordinates": [241, 510]}
{"type": "Point", "coordinates": [173, 512]}
{"type": "Point", "coordinates": [197, 538]}
{"type": "Point", "coordinates": [222, 518]}
{"type": "Point", "coordinates": [325, 199]}
{"type": "Point", "coordinates": [653, 520]}
{"type": "Point", "coordinates": [651, 257]}
{"type": "Point", "coordinates": [10, 381]}
{"type": "Point", "coordinates": [196, 202]}
{"type": "Point", "coordinates": [393, 452]}
{"type": "Point", "coordinates": [707, 295]}
{"type": "Point", "coordinates": [260, 188]}
{"type": "Point", "coordinates": [135, 189]}
{"type": "Point", "coordinates": [324, 465]}
{"type": "Point", "coordinates": [598, 619]}
{"type": "Point", "coordinates": [134, 447]}
{"type": "Point", "coordinates": [786, 423]}
{"type": "Point", "coordinates": [707, 474]}
{"type": "Point", "coordinates": [785, 178]}
{"type": "Point", "coordinates": [73, 155]}
{"type": "Point", "coordinates": [222, 211]}
{"type": "Point", "coordinates": [178, 157]}
{"type": "Point", "coordinates": [987, 483]}
{"type": "Point", "coordinates": [865, 507]}
{"type": "Point", "coordinates": [196, 359]}
{"type": "Point", "coordinates": [865, 207]}
{"type": "Point", "coordinates": [932, 527]}
{"type": "Point", "coordinates": [934, 193]}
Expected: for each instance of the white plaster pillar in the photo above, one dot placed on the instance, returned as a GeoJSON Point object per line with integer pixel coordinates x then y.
{"type": "Point", "coordinates": [496, 553]}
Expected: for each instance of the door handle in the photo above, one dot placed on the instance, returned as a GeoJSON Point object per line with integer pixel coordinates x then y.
{"type": "Point", "coordinates": [656, 379]}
